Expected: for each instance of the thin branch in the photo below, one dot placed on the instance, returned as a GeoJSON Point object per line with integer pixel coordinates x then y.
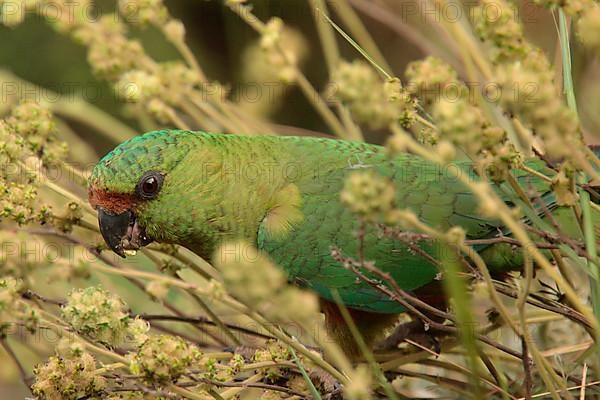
{"type": "Point", "coordinates": [409, 302]}
{"type": "Point", "coordinates": [26, 379]}
{"type": "Point", "coordinates": [199, 320]}
{"type": "Point", "coordinates": [528, 382]}
{"type": "Point", "coordinates": [264, 386]}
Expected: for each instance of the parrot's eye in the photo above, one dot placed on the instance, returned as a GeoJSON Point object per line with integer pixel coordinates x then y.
{"type": "Point", "coordinates": [150, 185]}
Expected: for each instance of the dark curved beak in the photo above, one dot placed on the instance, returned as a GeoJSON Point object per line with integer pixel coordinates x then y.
{"type": "Point", "coordinates": [113, 228]}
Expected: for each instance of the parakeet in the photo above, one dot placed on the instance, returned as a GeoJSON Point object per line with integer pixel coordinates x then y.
{"type": "Point", "coordinates": [282, 194]}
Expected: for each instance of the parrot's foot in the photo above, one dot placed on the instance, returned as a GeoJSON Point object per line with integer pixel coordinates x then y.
{"type": "Point", "coordinates": [414, 331]}
{"type": "Point", "coordinates": [325, 383]}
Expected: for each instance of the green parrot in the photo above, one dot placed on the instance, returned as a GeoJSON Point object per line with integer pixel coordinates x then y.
{"type": "Point", "coordinates": [200, 190]}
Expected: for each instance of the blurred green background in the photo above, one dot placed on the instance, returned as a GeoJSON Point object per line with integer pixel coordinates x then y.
{"type": "Point", "coordinates": [36, 53]}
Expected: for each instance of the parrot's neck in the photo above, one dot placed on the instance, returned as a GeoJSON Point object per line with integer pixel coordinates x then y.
{"type": "Point", "coordinates": [234, 186]}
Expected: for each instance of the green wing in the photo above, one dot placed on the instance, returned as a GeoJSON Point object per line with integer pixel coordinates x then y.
{"type": "Point", "coordinates": [430, 190]}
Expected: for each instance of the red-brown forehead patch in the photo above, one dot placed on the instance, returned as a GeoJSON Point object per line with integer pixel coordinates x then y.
{"type": "Point", "coordinates": [113, 202]}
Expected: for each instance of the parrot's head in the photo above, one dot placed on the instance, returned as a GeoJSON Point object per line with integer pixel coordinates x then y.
{"type": "Point", "coordinates": [136, 191]}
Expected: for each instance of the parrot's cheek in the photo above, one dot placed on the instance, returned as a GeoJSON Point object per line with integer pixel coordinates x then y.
{"type": "Point", "coordinates": [122, 231]}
